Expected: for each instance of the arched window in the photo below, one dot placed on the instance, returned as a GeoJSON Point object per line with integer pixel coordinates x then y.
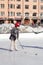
{"type": "Point", "coordinates": [34, 14]}
{"type": "Point", "coordinates": [26, 14]}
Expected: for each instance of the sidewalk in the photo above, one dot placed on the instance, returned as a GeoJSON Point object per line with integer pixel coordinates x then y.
{"type": "Point", "coordinates": [30, 54]}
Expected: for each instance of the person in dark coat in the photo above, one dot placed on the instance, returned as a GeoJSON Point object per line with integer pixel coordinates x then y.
{"type": "Point", "coordinates": [14, 35]}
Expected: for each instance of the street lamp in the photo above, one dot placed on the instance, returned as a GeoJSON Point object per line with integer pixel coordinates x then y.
{"type": "Point", "coordinates": [38, 9]}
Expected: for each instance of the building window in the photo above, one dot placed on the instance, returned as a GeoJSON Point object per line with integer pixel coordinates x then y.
{"type": "Point", "coordinates": [2, 13]}
{"type": "Point", "coordinates": [10, 0]}
{"type": "Point", "coordinates": [41, 7]}
{"type": "Point", "coordinates": [11, 13]}
{"type": "Point", "coordinates": [2, 0]}
{"type": "Point", "coordinates": [18, 14]}
{"type": "Point", "coordinates": [26, 14]}
{"type": "Point", "coordinates": [26, 6]}
{"type": "Point", "coordinates": [41, 14]}
{"type": "Point", "coordinates": [11, 6]}
{"type": "Point", "coordinates": [26, 0]}
{"type": "Point", "coordinates": [34, 0]}
{"type": "Point", "coordinates": [18, 0]}
{"type": "Point", "coordinates": [41, 0]}
{"type": "Point", "coordinates": [2, 5]}
{"type": "Point", "coordinates": [18, 6]}
{"type": "Point", "coordinates": [34, 14]}
{"type": "Point", "coordinates": [34, 6]}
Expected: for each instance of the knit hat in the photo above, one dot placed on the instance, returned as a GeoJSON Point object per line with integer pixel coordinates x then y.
{"type": "Point", "coordinates": [17, 24]}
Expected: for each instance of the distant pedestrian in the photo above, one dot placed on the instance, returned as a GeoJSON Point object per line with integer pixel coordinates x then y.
{"type": "Point", "coordinates": [14, 35]}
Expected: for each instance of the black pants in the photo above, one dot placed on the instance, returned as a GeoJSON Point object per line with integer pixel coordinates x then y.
{"type": "Point", "coordinates": [12, 37]}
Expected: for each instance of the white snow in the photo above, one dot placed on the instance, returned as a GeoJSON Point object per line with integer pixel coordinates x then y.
{"type": "Point", "coordinates": [30, 29]}
{"type": "Point", "coordinates": [32, 54]}
{"type": "Point", "coordinates": [23, 35]}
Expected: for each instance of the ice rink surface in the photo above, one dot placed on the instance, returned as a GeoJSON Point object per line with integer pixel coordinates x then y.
{"type": "Point", "coordinates": [30, 54]}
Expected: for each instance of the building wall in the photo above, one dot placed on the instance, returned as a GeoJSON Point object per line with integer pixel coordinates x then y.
{"type": "Point", "coordinates": [18, 9]}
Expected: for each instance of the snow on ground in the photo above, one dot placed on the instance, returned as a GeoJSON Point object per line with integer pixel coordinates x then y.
{"type": "Point", "coordinates": [30, 54]}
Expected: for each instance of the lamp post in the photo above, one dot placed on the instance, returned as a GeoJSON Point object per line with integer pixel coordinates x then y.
{"type": "Point", "coordinates": [8, 12]}
{"type": "Point", "coordinates": [38, 22]}
{"type": "Point", "coordinates": [22, 11]}
{"type": "Point", "coordinates": [38, 9]}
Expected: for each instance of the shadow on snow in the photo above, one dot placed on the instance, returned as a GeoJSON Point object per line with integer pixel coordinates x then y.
{"type": "Point", "coordinates": [38, 47]}
{"type": "Point", "coordinates": [5, 49]}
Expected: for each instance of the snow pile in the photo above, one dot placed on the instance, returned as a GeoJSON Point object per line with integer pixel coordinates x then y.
{"type": "Point", "coordinates": [38, 29]}
{"type": "Point", "coordinates": [25, 28]}
{"type": "Point", "coordinates": [21, 28]}
{"type": "Point", "coordinates": [29, 29]}
{"type": "Point", "coordinates": [5, 28]}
